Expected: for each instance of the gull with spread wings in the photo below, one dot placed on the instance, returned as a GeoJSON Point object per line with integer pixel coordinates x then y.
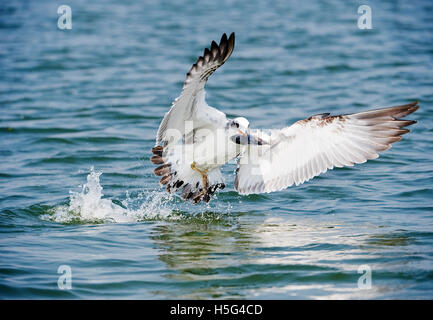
{"type": "Point", "coordinates": [194, 140]}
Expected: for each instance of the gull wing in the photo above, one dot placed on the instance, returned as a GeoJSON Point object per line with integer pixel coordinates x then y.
{"type": "Point", "coordinates": [310, 147]}
{"type": "Point", "coordinates": [186, 106]}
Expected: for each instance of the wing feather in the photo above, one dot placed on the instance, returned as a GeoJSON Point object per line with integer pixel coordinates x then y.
{"type": "Point", "coordinates": [184, 107]}
{"type": "Point", "coordinates": [310, 147]}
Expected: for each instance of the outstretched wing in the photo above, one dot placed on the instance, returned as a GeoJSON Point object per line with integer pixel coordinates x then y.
{"type": "Point", "coordinates": [310, 147]}
{"type": "Point", "coordinates": [192, 96]}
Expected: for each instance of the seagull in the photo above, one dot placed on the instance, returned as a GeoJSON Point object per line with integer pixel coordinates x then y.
{"type": "Point", "coordinates": [195, 140]}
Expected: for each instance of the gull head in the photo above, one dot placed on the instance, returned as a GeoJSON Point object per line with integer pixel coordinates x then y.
{"type": "Point", "coordinates": [239, 131]}
{"type": "Point", "coordinates": [241, 125]}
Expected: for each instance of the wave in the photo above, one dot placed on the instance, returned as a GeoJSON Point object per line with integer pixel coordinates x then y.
{"type": "Point", "coordinates": [89, 206]}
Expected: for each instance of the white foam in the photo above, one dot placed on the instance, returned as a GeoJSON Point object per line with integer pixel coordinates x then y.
{"type": "Point", "coordinates": [88, 205]}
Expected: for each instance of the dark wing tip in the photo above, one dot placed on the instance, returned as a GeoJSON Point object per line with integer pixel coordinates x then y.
{"type": "Point", "coordinates": [214, 45]}
{"type": "Point", "coordinates": [207, 54]}
{"type": "Point", "coordinates": [232, 39]}
{"type": "Point", "coordinates": [223, 38]}
{"type": "Point", "coordinates": [223, 46]}
{"type": "Point", "coordinates": [217, 54]}
{"type": "Point", "coordinates": [406, 110]}
{"type": "Point", "coordinates": [396, 112]}
{"type": "Point", "coordinates": [157, 159]}
{"type": "Point", "coordinates": [162, 170]}
{"type": "Point", "coordinates": [230, 46]}
{"type": "Point", "coordinates": [157, 150]}
{"type": "Point", "coordinates": [214, 48]}
{"type": "Point", "coordinates": [221, 51]}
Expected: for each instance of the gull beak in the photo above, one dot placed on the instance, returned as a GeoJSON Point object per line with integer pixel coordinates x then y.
{"type": "Point", "coordinates": [255, 140]}
{"type": "Point", "coordinates": [245, 138]}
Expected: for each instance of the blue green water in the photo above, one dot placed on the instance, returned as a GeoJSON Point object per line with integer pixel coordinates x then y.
{"type": "Point", "coordinates": [93, 96]}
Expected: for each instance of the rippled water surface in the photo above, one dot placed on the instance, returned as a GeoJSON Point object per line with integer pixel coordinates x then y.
{"type": "Point", "coordinates": [79, 113]}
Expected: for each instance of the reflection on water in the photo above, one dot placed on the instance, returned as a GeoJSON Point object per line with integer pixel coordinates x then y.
{"type": "Point", "coordinates": [203, 254]}
{"type": "Point", "coordinates": [293, 257]}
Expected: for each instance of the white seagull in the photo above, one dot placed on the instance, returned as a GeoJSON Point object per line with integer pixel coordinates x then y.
{"type": "Point", "coordinates": [194, 140]}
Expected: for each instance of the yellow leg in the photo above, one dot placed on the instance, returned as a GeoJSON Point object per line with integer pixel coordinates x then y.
{"type": "Point", "coordinates": [204, 177]}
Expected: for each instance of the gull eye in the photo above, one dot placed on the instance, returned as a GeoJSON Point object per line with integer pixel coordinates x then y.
{"type": "Point", "coordinates": [236, 124]}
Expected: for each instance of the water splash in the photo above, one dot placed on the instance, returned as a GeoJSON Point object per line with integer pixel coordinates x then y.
{"type": "Point", "coordinates": [89, 206]}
